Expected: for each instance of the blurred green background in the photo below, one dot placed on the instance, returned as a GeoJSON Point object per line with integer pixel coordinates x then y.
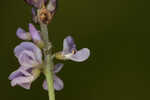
{"type": "Point", "coordinates": [117, 33]}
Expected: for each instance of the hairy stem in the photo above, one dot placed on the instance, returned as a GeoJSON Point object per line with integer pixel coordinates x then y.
{"type": "Point", "coordinates": [48, 62]}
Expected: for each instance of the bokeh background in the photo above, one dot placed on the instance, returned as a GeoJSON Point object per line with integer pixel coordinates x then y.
{"type": "Point", "coordinates": [117, 33]}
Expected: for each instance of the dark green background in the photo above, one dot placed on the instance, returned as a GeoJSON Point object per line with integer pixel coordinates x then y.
{"type": "Point", "coordinates": [117, 33]}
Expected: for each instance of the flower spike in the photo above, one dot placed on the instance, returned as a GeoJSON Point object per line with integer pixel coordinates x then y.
{"type": "Point", "coordinates": [36, 57]}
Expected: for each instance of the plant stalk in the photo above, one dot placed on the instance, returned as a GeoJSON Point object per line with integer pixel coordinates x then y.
{"type": "Point", "coordinates": [48, 62]}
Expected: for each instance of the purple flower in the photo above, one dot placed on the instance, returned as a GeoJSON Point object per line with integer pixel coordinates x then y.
{"type": "Point", "coordinates": [58, 83]}
{"type": "Point", "coordinates": [23, 35]}
{"type": "Point", "coordinates": [35, 3]}
{"type": "Point", "coordinates": [33, 33]}
{"type": "Point", "coordinates": [30, 59]}
{"type": "Point", "coordinates": [71, 53]}
{"type": "Point", "coordinates": [24, 77]}
{"type": "Point", "coordinates": [28, 54]}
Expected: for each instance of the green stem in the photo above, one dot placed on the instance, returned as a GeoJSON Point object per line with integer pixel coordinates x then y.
{"type": "Point", "coordinates": [48, 62]}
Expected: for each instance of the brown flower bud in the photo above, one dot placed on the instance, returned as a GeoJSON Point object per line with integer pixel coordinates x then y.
{"type": "Point", "coordinates": [45, 16]}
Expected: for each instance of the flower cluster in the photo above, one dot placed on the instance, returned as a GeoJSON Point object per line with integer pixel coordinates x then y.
{"type": "Point", "coordinates": [30, 53]}
{"type": "Point", "coordinates": [29, 56]}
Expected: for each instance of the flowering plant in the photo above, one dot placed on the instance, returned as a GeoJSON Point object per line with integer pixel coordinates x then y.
{"type": "Point", "coordinates": [35, 55]}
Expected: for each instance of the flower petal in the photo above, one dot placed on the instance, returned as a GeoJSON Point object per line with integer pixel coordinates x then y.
{"type": "Point", "coordinates": [27, 59]}
{"type": "Point", "coordinates": [23, 35]}
{"type": "Point", "coordinates": [34, 33]}
{"type": "Point", "coordinates": [14, 74]}
{"type": "Point", "coordinates": [24, 46]}
{"type": "Point", "coordinates": [68, 45]}
{"type": "Point", "coordinates": [52, 6]}
{"type": "Point", "coordinates": [21, 81]}
{"type": "Point", "coordinates": [26, 85]}
{"type": "Point", "coordinates": [45, 85]}
{"type": "Point", "coordinates": [58, 83]}
{"type": "Point", "coordinates": [21, 71]}
{"type": "Point", "coordinates": [81, 55]}
{"type": "Point", "coordinates": [30, 47]}
{"type": "Point", "coordinates": [35, 3]}
{"type": "Point", "coordinates": [34, 12]}
{"type": "Point", "coordinates": [34, 15]}
{"type": "Point", "coordinates": [58, 67]}
{"type": "Point", "coordinates": [22, 77]}
{"type": "Point", "coordinates": [26, 71]}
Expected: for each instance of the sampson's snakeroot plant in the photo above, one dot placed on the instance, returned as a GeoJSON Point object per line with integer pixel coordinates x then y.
{"type": "Point", "coordinates": [35, 54]}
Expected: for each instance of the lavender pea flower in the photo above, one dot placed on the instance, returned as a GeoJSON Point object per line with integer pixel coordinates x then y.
{"type": "Point", "coordinates": [32, 34]}
{"type": "Point", "coordinates": [28, 54]}
{"type": "Point", "coordinates": [30, 59]}
{"type": "Point", "coordinates": [24, 77]}
{"type": "Point", "coordinates": [71, 53]}
{"type": "Point", "coordinates": [35, 36]}
{"type": "Point", "coordinates": [58, 83]}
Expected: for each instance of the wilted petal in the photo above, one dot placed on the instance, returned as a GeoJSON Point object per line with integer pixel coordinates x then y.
{"type": "Point", "coordinates": [23, 35]}
{"type": "Point", "coordinates": [58, 84]}
{"type": "Point", "coordinates": [28, 46]}
{"type": "Point", "coordinates": [68, 45]}
{"type": "Point", "coordinates": [81, 55]}
{"type": "Point", "coordinates": [58, 67]}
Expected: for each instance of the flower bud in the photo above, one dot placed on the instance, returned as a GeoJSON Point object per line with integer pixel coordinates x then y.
{"type": "Point", "coordinates": [34, 15]}
{"type": "Point", "coordinates": [36, 3]}
{"type": "Point", "coordinates": [51, 6]}
{"type": "Point", "coordinates": [45, 16]}
{"type": "Point", "coordinates": [36, 36]}
{"type": "Point", "coordinates": [21, 34]}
